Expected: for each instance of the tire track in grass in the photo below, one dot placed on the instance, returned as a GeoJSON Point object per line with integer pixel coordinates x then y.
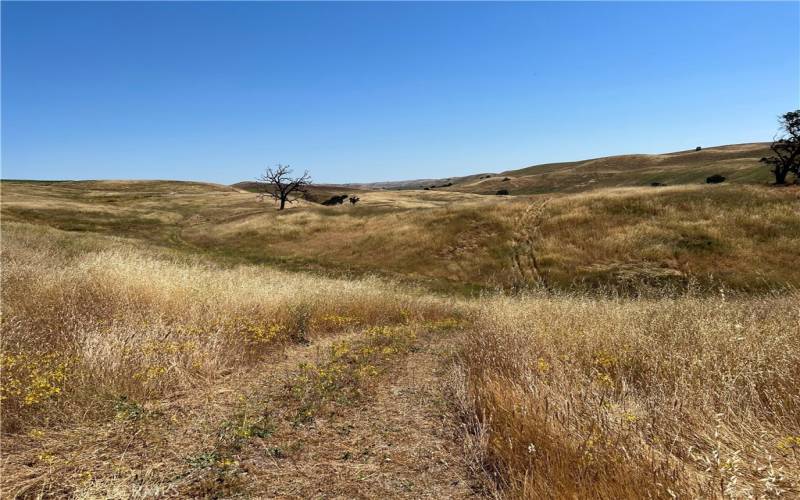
{"type": "Point", "coordinates": [156, 449]}
{"type": "Point", "coordinates": [367, 420]}
{"type": "Point", "coordinates": [379, 426]}
{"type": "Point", "coordinates": [524, 258]}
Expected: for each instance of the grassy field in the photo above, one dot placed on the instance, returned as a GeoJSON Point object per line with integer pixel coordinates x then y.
{"type": "Point", "coordinates": [620, 239]}
{"type": "Point", "coordinates": [127, 368]}
{"type": "Point", "coordinates": [183, 339]}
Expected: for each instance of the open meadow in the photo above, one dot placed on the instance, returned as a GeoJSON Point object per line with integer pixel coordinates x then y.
{"type": "Point", "coordinates": [535, 250]}
{"type": "Point", "coordinates": [169, 338]}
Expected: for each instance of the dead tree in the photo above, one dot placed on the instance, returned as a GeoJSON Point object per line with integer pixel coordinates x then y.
{"type": "Point", "coordinates": [279, 184]}
{"type": "Point", "coordinates": [354, 200]}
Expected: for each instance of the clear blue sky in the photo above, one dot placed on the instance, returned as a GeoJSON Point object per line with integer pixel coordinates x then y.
{"type": "Point", "coordinates": [382, 91]}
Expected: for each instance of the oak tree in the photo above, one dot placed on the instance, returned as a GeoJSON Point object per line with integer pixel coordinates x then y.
{"type": "Point", "coordinates": [279, 184]}
{"type": "Point", "coordinates": [786, 148]}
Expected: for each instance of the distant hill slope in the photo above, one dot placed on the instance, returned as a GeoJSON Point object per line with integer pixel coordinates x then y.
{"type": "Point", "coordinates": [138, 187]}
{"type": "Point", "coordinates": [415, 183]}
{"type": "Point", "coordinates": [738, 163]}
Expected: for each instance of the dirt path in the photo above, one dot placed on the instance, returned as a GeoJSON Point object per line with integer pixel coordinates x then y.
{"type": "Point", "coordinates": [397, 443]}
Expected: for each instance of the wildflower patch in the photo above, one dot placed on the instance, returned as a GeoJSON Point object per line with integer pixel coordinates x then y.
{"type": "Point", "coordinates": [29, 380]}
{"type": "Point", "coordinates": [349, 367]}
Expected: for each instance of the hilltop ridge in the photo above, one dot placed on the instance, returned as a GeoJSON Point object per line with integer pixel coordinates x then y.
{"type": "Point", "coordinates": [737, 162]}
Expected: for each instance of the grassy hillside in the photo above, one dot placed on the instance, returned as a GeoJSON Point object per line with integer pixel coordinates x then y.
{"type": "Point", "coordinates": [739, 163]}
{"type": "Point", "coordinates": [739, 236]}
{"type": "Point", "coordinates": [132, 371]}
{"type": "Point", "coordinates": [185, 340]}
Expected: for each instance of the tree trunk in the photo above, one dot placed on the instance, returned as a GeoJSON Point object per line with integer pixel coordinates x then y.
{"type": "Point", "coordinates": [780, 175]}
{"type": "Point", "coordinates": [283, 201]}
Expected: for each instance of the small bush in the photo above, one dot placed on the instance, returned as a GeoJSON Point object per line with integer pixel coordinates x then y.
{"type": "Point", "coordinates": [335, 200]}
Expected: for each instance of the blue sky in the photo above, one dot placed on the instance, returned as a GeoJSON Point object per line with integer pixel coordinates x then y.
{"type": "Point", "coordinates": [382, 91]}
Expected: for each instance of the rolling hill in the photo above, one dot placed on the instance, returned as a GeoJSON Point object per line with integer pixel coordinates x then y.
{"type": "Point", "coordinates": [184, 339]}
{"type": "Point", "coordinates": [588, 224]}
{"type": "Point", "coordinates": [738, 163]}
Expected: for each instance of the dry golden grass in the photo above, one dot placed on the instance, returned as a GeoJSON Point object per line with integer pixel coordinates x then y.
{"type": "Point", "coordinates": [739, 163]}
{"type": "Point", "coordinates": [623, 239]}
{"type": "Point", "coordinates": [628, 239]}
{"type": "Point", "coordinates": [657, 352]}
{"type": "Point", "coordinates": [586, 397]}
{"type": "Point", "coordinates": [89, 320]}
{"type": "Point", "coordinates": [129, 370]}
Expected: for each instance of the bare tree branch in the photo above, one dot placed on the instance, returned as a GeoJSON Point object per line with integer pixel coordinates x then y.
{"type": "Point", "coordinates": [278, 183]}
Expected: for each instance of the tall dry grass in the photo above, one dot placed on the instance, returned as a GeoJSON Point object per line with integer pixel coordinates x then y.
{"type": "Point", "coordinates": [585, 397]}
{"type": "Point", "coordinates": [630, 240]}
{"type": "Point", "coordinates": [566, 395]}
{"type": "Point", "coordinates": [89, 321]}
{"type": "Point", "coordinates": [682, 236]}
